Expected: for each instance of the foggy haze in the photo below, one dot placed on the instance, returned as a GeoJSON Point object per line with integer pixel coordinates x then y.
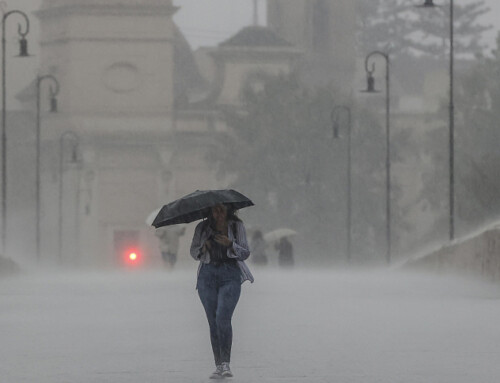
{"type": "Point", "coordinates": [205, 25]}
{"type": "Point", "coordinates": [376, 284]}
{"type": "Point", "coordinates": [320, 171]}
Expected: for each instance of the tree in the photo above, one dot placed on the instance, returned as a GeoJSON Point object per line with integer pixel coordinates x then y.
{"type": "Point", "coordinates": [411, 33]}
{"type": "Point", "coordinates": [432, 29]}
{"type": "Point", "coordinates": [404, 29]}
{"type": "Point", "coordinates": [283, 155]}
{"type": "Point", "coordinates": [477, 162]}
{"type": "Point", "coordinates": [385, 25]}
{"type": "Point", "coordinates": [287, 161]}
{"type": "Point", "coordinates": [478, 103]}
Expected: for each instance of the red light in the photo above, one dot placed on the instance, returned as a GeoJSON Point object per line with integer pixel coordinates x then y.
{"type": "Point", "coordinates": [132, 257]}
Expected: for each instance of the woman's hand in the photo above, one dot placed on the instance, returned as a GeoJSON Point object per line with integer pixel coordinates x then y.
{"type": "Point", "coordinates": [223, 240]}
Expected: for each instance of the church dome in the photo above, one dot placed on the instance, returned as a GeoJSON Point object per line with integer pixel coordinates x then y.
{"type": "Point", "coordinates": [187, 78]}
{"type": "Point", "coordinates": [255, 36]}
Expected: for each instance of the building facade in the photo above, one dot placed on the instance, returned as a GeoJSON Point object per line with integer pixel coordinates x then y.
{"type": "Point", "coordinates": [136, 122]}
{"type": "Point", "coordinates": [108, 152]}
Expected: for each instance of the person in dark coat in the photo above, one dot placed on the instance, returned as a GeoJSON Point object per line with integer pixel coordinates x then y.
{"type": "Point", "coordinates": [285, 252]}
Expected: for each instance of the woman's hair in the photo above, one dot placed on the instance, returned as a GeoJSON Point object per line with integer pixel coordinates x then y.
{"type": "Point", "coordinates": [231, 215]}
{"type": "Point", "coordinates": [210, 220]}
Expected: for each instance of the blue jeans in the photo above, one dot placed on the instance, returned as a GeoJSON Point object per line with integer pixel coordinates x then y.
{"type": "Point", "coordinates": [219, 289]}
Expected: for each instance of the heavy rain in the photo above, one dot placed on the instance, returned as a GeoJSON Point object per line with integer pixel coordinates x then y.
{"type": "Point", "coordinates": [328, 170]}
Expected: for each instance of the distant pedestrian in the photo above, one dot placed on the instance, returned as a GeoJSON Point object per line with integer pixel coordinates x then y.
{"type": "Point", "coordinates": [258, 248]}
{"type": "Point", "coordinates": [220, 244]}
{"type": "Point", "coordinates": [285, 252]}
{"type": "Point", "coordinates": [169, 243]}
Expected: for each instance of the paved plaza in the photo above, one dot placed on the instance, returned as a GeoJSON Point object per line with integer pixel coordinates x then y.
{"type": "Point", "coordinates": [299, 326]}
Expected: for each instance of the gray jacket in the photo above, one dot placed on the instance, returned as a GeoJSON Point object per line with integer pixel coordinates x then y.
{"type": "Point", "coordinates": [239, 251]}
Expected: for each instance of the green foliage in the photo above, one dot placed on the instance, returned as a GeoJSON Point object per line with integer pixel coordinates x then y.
{"type": "Point", "coordinates": [434, 29]}
{"type": "Point", "coordinates": [289, 163]}
{"type": "Point", "coordinates": [385, 25]}
{"type": "Point", "coordinates": [478, 137]}
{"type": "Point", "coordinates": [402, 28]}
{"type": "Point", "coordinates": [283, 153]}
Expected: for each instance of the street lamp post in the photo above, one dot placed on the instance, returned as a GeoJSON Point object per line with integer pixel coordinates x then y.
{"type": "Point", "coordinates": [23, 52]}
{"type": "Point", "coordinates": [74, 159]}
{"type": "Point", "coordinates": [451, 120]}
{"type": "Point", "coordinates": [336, 128]}
{"type": "Point", "coordinates": [371, 89]}
{"type": "Point", "coordinates": [53, 108]}
{"type": "Point", "coordinates": [255, 13]}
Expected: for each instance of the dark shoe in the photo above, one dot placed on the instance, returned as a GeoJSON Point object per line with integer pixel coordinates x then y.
{"type": "Point", "coordinates": [226, 371]}
{"type": "Point", "coordinates": [217, 374]}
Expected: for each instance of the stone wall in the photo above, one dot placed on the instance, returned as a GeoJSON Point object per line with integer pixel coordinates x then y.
{"type": "Point", "coordinates": [475, 255]}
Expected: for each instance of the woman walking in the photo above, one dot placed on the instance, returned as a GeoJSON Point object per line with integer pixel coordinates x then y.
{"type": "Point", "coordinates": [220, 244]}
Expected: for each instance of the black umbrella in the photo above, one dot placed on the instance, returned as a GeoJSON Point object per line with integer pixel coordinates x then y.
{"type": "Point", "coordinates": [197, 205]}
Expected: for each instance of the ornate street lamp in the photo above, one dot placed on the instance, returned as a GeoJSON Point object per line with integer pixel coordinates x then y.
{"type": "Point", "coordinates": [53, 109]}
{"type": "Point", "coordinates": [255, 13]}
{"type": "Point", "coordinates": [371, 89]}
{"type": "Point", "coordinates": [23, 52]}
{"type": "Point", "coordinates": [337, 110]}
{"type": "Point", "coordinates": [451, 120]}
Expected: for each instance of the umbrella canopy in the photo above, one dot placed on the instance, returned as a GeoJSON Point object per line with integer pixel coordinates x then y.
{"type": "Point", "coordinates": [277, 234]}
{"type": "Point", "coordinates": [195, 206]}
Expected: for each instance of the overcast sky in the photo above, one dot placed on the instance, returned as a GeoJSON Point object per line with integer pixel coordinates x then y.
{"type": "Point", "coordinates": [208, 22]}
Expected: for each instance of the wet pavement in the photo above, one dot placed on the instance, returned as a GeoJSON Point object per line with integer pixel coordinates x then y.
{"type": "Point", "coordinates": [307, 326]}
